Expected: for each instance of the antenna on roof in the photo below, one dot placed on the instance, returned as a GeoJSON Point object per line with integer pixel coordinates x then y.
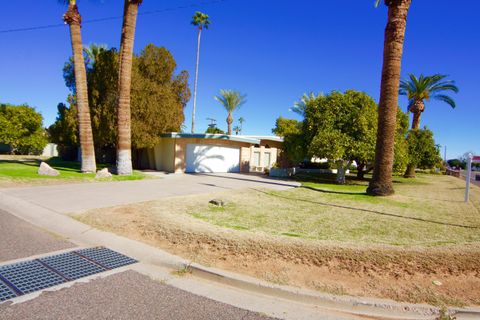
{"type": "Point", "coordinates": [213, 123]}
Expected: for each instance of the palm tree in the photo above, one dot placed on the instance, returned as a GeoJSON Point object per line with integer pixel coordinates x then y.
{"type": "Point", "coordinates": [425, 88]}
{"type": "Point", "coordinates": [199, 20]}
{"type": "Point", "coordinates": [420, 89]}
{"type": "Point", "coordinates": [241, 120]}
{"type": "Point", "coordinates": [230, 100]}
{"type": "Point", "coordinates": [92, 52]}
{"type": "Point", "coordinates": [73, 18]}
{"type": "Point", "coordinates": [381, 183]}
{"type": "Point", "coordinates": [124, 135]}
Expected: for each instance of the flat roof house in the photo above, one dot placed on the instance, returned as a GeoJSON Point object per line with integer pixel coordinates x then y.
{"type": "Point", "coordinates": [185, 152]}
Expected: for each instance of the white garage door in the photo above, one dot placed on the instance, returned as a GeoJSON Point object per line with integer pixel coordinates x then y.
{"type": "Point", "coordinates": [208, 158]}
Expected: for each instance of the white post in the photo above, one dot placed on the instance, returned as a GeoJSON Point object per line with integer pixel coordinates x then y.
{"type": "Point", "coordinates": [469, 176]}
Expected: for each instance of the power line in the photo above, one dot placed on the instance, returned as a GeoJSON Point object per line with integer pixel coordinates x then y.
{"type": "Point", "coordinates": [152, 12]}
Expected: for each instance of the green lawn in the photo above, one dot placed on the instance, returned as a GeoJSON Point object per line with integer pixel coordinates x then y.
{"type": "Point", "coordinates": [426, 211]}
{"type": "Point", "coordinates": [26, 171]}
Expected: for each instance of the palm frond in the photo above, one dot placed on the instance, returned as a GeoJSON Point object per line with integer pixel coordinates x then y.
{"type": "Point", "coordinates": [230, 99]}
{"type": "Point", "coordinates": [448, 100]}
{"type": "Point", "coordinates": [201, 20]}
{"type": "Point", "coordinates": [427, 87]}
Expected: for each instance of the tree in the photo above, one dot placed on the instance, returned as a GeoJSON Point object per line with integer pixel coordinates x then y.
{"type": "Point", "coordinates": [293, 142]}
{"type": "Point", "coordinates": [422, 150]}
{"type": "Point", "coordinates": [342, 127]}
{"type": "Point", "coordinates": [401, 158]}
{"type": "Point", "coordinates": [420, 89]}
{"type": "Point", "coordinates": [21, 129]}
{"type": "Point", "coordinates": [230, 100]}
{"type": "Point", "coordinates": [124, 132]}
{"type": "Point", "coordinates": [241, 121]}
{"type": "Point", "coordinates": [74, 20]}
{"type": "Point", "coordinates": [381, 183]}
{"type": "Point", "coordinates": [201, 21]}
{"type": "Point", "coordinates": [214, 130]}
{"type": "Point", "coordinates": [158, 99]}
{"type": "Point", "coordinates": [424, 88]}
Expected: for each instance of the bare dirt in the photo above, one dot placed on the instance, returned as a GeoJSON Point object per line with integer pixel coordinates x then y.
{"type": "Point", "coordinates": [439, 276]}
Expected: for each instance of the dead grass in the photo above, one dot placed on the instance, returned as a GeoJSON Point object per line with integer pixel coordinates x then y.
{"type": "Point", "coordinates": [338, 241]}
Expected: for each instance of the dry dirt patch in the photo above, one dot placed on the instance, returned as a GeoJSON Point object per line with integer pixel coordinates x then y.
{"type": "Point", "coordinates": [410, 273]}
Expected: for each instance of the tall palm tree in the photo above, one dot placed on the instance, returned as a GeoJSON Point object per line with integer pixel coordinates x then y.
{"type": "Point", "coordinates": [124, 135]}
{"type": "Point", "coordinates": [201, 21]}
{"type": "Point", "coordinates": [73, 18]}
{"type": "Point", "coordinates": [420, 89]}
{"type": "Point", "coordinates": [241, 120]}
{"type": "Point", "coordinates": [230, 100]}
{"type": "Point", "coordinates": [424, 88]}
{"type": "Point", "coordinates": [381, 183]}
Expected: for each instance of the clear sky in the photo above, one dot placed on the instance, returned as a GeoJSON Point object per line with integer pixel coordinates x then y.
{"type": "Point", "coordinates": [271, 50]}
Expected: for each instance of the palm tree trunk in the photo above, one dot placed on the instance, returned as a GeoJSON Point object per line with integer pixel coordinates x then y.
{"type": "Point", "coordinates": [229, 123]}
{"type": "Point", "coordinates": [381, 183]}
{"type": "Point", "coordinates": [196, 80]}
{"type": "Point", "coordinates": [124, 143]}
{"type": "Point", "coordinates": [74, 20]}
{"type": "Point", "coordinates": [417, 109]}
{"type": "Point", "coordinates": [416, 120]}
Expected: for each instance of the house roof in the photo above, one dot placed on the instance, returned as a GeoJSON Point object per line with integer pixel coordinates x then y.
{"type": "Point", "coordinates": [211, 136]}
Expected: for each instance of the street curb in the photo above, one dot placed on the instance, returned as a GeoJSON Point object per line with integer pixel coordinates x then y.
{"type": "Point", "coordinates": [85, 235]}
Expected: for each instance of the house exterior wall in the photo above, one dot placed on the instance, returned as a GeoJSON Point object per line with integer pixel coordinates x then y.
{"type": "Point", "coordinates": [181, 147]}
{"type": "Point", "coordinates": [170, 154]}
{"type": "Point", "coordinates": [164, 155]}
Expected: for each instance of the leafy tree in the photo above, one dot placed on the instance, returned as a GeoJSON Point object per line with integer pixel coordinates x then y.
{"type": "Point", "coordinates": [343, 128]}
{"type": "Point", "coordinates": [400, 160]}
{"type": "Point", "coordinates": [73, 18]}
{"type": "Point", "coordinates": [381, 183]}
{"type": "Point", "coordinates": [158, 96]}
{"type": "Point", "coordinates": [21, 129]}
{"type": "Point", "coordinates": [158, 99]}
{"type": "Point", "coordinates": [214, 130]}
{"type": "Point", "coordinates": [230, 100]}
{"type": "Point", "coordinates": [422, 149]}
{"type": "Point", "coordinates": [200, 21]}
{"type": "Point", "coordinates": [293, 143]}
{"type": "Point", "coordinates": [124, 131]}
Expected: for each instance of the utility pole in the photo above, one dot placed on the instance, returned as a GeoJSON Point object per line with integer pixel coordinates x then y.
{"type": "Point", "coordinates": [445, 154]}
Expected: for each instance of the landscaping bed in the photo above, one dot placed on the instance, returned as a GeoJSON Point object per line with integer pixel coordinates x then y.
{"type": "Point", "coordinates": [421, 245]}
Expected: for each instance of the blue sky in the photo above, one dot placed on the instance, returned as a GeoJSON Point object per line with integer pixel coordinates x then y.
{"type": "Point", "coordinates": [271, 50]}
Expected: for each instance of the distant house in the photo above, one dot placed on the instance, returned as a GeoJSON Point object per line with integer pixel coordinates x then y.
{"type": "Point", "coordinates": [183, 152]}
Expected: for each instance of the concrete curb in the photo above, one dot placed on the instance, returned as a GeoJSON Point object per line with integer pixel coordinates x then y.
{"type": "Point", "coordinates": [84, 235]}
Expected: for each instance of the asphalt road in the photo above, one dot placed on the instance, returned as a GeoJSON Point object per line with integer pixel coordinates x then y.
{"type": "Point", "coordinates": [472, 178]}
{"type": "Point", "coordinates": [19, 239]}
{"type": "Point", "coordinates": [125, 295]}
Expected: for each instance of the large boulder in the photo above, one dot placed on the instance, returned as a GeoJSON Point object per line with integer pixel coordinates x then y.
{"type": "Point", "coordinates": [46, 170]}
{"type": "Point", "coordinates": [103, 174]}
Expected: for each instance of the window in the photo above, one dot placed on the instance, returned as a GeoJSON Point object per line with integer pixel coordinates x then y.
{"type": "Point", "coordinates": [256, 159]}
{"type": "Point", "coordinates": [266, 159]}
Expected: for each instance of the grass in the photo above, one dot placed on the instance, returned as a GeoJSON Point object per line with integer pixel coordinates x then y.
{"type": "Point", "coordinates": [426, 211]}
{"type": "Point", "coordinates": [26, 171]}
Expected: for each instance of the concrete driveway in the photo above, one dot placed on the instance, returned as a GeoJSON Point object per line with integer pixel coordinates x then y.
{"type": "Point", "coordinates": [84, 196]}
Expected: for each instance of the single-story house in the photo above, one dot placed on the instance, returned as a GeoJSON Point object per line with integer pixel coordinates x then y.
{"type": "Point", "coordinates": [184, 152]}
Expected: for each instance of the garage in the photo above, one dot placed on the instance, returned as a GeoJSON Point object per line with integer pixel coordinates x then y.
{"type": "Point", "coordinates": [212, 158]}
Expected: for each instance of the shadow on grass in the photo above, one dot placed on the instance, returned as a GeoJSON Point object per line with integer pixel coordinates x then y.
{"type": "Point", "coordinates": [334, 192]}
{"type": "Point", "coordinates": [370, 211]}
{"type": "Point", "coordinates": [56, 163]}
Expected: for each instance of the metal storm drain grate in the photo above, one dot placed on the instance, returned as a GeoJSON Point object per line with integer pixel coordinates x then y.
{"type": "Point", "coordinates": [24, 277]}
{"type": "Point", "coordinates": [5, 292]}
{"type": "Point", "coordinates": [106, 257]}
